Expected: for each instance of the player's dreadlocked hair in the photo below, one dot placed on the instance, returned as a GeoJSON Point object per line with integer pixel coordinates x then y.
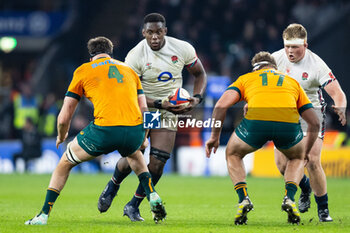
{"type": "Point", "coordinates": [154, 18]}
{"type": "Point", "coordinates": [99, 45]}
{"type": "Point", "coordinates": [262, 59]}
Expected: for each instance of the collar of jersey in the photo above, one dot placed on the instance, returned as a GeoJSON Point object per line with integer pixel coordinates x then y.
{"type": "Point", "coordinates": [101, 58]}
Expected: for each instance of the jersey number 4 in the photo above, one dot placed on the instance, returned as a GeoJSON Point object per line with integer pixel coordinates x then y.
{"type": "Point", "coordinates": [113, 72]}
{"type": "Point", "coordinates": [264, 79]}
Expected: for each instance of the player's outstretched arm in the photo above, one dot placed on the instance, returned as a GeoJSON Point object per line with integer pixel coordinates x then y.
{"type": "Point", "coordinates": [141, 98]}
{"type": "Point", "coordinates": [200, 83]}
{"type": "Point", "coordinates": [313, 127]}
{"type": "Point", "coordinates": [229, 98]}
{"type": "Point", "coordinates": [64, 118]}
{"type": "Point", "coordinates": [142, 103]}
{"type": "Point", "coordinates": [334, 90]}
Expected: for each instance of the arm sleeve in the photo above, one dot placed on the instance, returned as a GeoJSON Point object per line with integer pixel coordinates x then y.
{"type": "Point", "coordinates": [303, 102]}
{"type": "Point", "coordinates": [325, 75]}
{"type": "Point", "coordinates": [139, 85]}
{"type": "Point", "coordinates": [132, 60]}
{"type": "Point", "coordinates": [237, 86]}
{"type": "Point", "coordinates": [75, 88]}
{"type": "Point", "coordinates": [190, 55]}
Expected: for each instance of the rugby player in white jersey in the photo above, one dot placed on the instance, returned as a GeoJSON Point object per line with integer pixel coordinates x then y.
{"type": "Point", "coordinates": [158, 60]}
{"type": "Point", "coordinates": [313, 74]}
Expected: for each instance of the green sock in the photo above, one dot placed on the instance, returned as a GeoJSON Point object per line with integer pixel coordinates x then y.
{"type": "Point", "coordinates": [291, 189]}
{"type": "Point", "coordinates": [51, 197]}
{"type": "Point", "coordinates": [241, 189]}
{"type": "Point", "coordinates": [146, 182]}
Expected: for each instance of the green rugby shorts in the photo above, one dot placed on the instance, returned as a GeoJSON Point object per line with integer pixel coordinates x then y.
{"type": "Point", "coordinates": [97, 140]}
{"type": "Point", "coordinates": [256, 133]}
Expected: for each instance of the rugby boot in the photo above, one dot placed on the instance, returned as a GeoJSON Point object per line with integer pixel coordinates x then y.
{"type": "Point", "coordinates": [323, 215]}
{"type": "Point", "coordinates": [40, 219]}
{"type": "Point", "coordinates": [107, 196]}
{"type": "Point", "coordinates": [293, 214]}
{"type": "Point", "coordinates": [243, 209]}
{"type": "Point", "coordinates": [157, 207]}
{"type": "Point", "coordinates": [304, 201]}
{"type": "Point", "coordinates": [132, 212]}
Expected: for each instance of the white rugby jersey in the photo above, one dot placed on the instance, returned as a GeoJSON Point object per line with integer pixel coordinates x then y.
{"type": "Point", "coordinates": [161, 71]}
{"type": "Point", "coordinates": [311, 72]}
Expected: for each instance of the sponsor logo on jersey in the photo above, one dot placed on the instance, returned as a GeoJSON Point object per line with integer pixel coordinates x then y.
{"type": "Point", "coordinates": [174, 59]}
{"type": "Point", "coordinates": [304, 76]}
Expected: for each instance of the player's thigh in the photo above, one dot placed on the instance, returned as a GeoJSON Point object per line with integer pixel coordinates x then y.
{"type": "Point", "coordinates": [78, 151]}
{"type": "Point", "coordinates": [315, 152]}
{"type": "Point", "coordinates": [295, 152]}
{"type": "Point", "coordinates": [237, 147]}
{"type": "Point", "coordinates": [289, 140]}
{"type": "Point", "coordinates": [280, 160]}
{"type": "Point", "coordinates": [163, 139]}
{"type": "Point", "coordinates": [137, 162]}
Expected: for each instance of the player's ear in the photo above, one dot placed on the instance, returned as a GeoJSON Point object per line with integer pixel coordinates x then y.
{"type": "Point", "coordinates": [306, 44]}
{"type": "Point", "coordinates": [165, 30]}
{"type": "Point", "coordinates": [144, 32]}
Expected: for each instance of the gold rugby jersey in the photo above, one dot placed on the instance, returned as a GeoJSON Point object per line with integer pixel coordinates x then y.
{"type": "Point", "coordinates": [112, 87]}
{"type": "Point", "coordinates": [271, 96]}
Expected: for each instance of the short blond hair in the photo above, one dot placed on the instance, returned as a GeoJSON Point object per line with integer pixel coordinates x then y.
{"type": "Point", "coordinates": [263, 59]}
{"type": "Point", "coordinates": [294, 31]}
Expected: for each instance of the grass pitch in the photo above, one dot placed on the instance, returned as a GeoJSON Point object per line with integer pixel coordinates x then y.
{"type": "Point", "coordinates": [194, 204]}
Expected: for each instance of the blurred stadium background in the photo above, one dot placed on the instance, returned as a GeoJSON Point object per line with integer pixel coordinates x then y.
{"type": "Point", "coordinates": [43, 41]}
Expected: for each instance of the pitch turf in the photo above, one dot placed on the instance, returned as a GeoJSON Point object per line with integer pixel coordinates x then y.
{"type": "Point", "coordinates": [194, 204]}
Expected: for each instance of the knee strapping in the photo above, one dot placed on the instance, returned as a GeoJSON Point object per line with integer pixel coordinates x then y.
{"type": "Point", "coordinates": [71, 156]}
{"type": "Point", "coordinates": [159, 154]}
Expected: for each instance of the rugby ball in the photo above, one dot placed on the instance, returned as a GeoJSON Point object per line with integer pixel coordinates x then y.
{"type": "Point", "coordinates": [180, 97]}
